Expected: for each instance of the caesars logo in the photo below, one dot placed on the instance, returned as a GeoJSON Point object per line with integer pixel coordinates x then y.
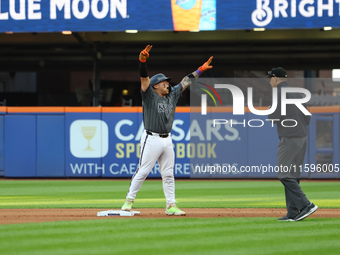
{"type": "Point", "coordinates": [89, 138]}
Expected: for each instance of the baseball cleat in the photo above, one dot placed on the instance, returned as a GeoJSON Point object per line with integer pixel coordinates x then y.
{"type": "Point", "coordinates": [127, 206]}
{"type": "Point", "coordinates": [174, 210]}
{"type": "Point", "coordinates": [285, 218]}
{"type": "Point", "coordinates": [308, 210]}
{"type": "Point", "coordinates": [288, 217]}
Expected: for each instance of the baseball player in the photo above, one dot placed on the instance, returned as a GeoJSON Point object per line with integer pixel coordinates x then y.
{"type": "Point", "coordinates": [159, 101]}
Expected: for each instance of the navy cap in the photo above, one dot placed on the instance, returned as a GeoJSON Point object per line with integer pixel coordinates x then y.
{"type": "Point", "coordinates": [158, 78]}
{"type": "Point", "coordinates": [277, 72]}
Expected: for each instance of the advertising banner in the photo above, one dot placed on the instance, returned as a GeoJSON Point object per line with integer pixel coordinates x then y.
{"type": "Point", "coordinates": [161, 15]}
{"type": "Point", "coordinates": [108, 144]}
{"type": "Point", "coordinates": [106, 15]}
{"type": "Point", "coordinates": [210, 140]}
{"type": "Point", "coordinates": [278, 14]}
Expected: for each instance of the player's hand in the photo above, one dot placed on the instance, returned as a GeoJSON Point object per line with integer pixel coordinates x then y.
{"type": "Point", "coordinates": [144, 54]}
{"type": "Point", "coordinates": [206, 65]}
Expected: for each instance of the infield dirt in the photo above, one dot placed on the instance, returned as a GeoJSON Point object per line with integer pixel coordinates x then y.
{"type": "Point", "coordinates": [15, 216]}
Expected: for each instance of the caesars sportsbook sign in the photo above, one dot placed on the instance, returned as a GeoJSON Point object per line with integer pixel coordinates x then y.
{"type": "Point", "coordinates": [179, 15]}
{"type": "Point", "coordinates": [108, 144]}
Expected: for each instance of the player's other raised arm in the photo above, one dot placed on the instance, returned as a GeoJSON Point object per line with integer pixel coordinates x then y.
{"type": "Point", "coordinates": [186, 82]}
{"type": "Point", "coordinates": [143, 70]}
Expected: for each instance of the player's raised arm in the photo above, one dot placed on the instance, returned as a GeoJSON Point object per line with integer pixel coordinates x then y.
{"type": "Point", "coordinates": [186, 82]}
{"type": "Point", "coordinates": [143, 70]}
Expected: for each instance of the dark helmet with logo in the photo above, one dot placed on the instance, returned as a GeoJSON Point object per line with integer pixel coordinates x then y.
{"type": "Point", "coordinates": [158, 78]}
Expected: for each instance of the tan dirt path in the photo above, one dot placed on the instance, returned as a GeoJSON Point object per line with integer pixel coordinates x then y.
{"type": "Point", "coordinates": [14, 216]}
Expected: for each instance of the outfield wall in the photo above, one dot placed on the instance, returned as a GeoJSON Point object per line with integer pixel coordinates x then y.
{"type": "Point", "coordinates": [77, 142]}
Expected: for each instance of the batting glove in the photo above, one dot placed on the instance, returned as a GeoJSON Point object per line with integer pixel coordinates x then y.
{"type": "Point", "coordinates": [206, 65]}
{"type": "Point", "coordinates": [144, 54]}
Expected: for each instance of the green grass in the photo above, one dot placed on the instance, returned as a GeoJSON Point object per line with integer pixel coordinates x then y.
{"type": "Point", "coordinates": [111, 194]}
{"type": "Point", "coordinates": [175, 235]}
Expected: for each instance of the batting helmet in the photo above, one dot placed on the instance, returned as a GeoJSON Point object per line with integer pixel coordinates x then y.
{"type": "Point", "coordinates": [158, 78]}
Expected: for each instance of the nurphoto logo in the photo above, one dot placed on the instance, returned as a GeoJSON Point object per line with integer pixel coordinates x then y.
{"type": "Point", "coordinates": [238, 100]}
{"type": "Point", "coordinates": [226, 93]}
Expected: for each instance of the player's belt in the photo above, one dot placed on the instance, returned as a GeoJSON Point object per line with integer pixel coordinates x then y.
{"type": "Point", "coordinates": [156, 134]}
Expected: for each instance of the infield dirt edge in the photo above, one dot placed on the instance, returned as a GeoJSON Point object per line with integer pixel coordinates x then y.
{"type": "Point", "coordinates": [17, 216]}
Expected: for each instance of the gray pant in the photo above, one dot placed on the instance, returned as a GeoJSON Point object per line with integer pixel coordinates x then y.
{"type": "Point", "coordinates": [290, 157]}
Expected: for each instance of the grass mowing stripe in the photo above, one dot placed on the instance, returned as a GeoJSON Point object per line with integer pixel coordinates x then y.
{"type": "Point", "coordinates": [111, 194]}
{"type": "Point", "coordinates": [172, 236]}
